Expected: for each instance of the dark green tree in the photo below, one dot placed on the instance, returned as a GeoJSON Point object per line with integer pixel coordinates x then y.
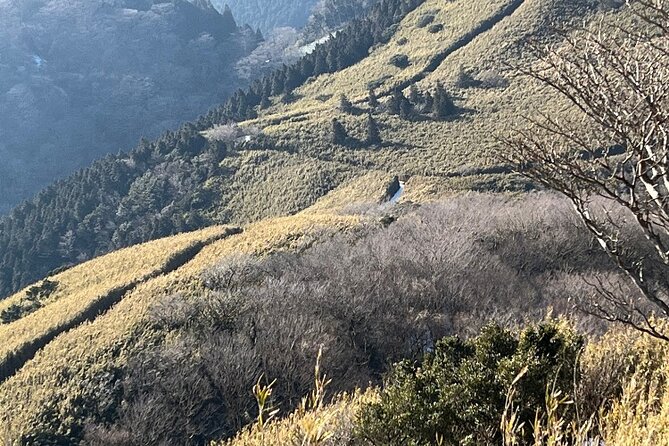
{"type": "Point", "coordinates": [372, 100]}
{"type": "Point", "coordinates": [415, 95]}
{"type": "Point", "coordinates": [373, 133]}
{"type": "Point", "coordinates": [406, 109]}
{"type": "Point", "coordinates": [229, 23]}
{"type": "Point", "coordinates": [394, 104]}
{"type": "Point", "coordinates": [345, 105]}
{"type": "Point", "coordinates": [339, 135]}
{"type": "Point", "coordinates": [443, 106]}
{"type": "Point", "coordinates": [458, 392]}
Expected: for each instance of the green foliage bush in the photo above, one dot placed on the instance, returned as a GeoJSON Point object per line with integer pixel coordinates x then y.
{"type": "Point", "coordinates": [400, 60]}
{"type": "Point", "coordinates": [436, 28]}
{"type": "Point", "coordinates": [457, 393]}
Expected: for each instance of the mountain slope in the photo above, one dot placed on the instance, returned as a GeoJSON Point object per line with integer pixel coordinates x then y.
{"type": "Point", "coordinates": [281, 156]}
{"type": "Point", "coordinates": [322, 258]}
{"type": "Point", "coordinates": [80, 367]}
{"type": "Point", "coordinates": [269, 14]}
{"type": "Point", "coordinates": [82, 79]}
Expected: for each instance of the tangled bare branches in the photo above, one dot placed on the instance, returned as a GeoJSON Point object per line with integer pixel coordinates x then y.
{"type": "Point", "coordinates": [613, 148]}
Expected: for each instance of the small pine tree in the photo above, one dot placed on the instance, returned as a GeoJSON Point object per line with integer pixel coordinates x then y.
{"type": "Point", "coordinates": [415, 96]}
{"type": "Point", "coordinates": [345, 105]}
{"type": "Point", "coordinates": [321, 64]}
{"type": "Point", "coordinates": [265, 103]}
{"type": "Point", "coordinates": [278, 83]}
{"type": "Point", "coordinates": [406, 109]}
{"type": "Point", "coordinates": [228, 21]}
{"type": "Point", "coordinates": [373, 133]}
{"type": "Point", "coordinates": [339, 135]}
{"type": "Point", "coordinates": [259, 36]}
{"type": "Point", "coordinates": [372, 100]}
{"type": "Point", "coordinates": [394, 104]}
{"type": "Point", "coordinates": [428, 103]}
{"type": "Point", "coordinates": [293, 78]}
{"type": "Point", "coordinates": [443, 106]}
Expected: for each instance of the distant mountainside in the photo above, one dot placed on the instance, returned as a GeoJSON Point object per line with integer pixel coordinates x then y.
{"type": "Point", "coordinates": [269, 14]}
{"type": "Point", "coordinates": [80, 79]}
{"type": "Point", "coordinates": [317, 16]}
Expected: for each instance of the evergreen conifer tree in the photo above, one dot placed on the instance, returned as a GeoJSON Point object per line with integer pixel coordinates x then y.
{"type": "Point", "coordinates": [406, 109]}
{"type": "Point", "coordinates": [373, 133]}
{"type": "Point", "coordinates": [345, 104]}
{"type": "Point", "coordinates": [443, 106]}
{"type": "Point", "coordinates": [229, 23]}
{"type": "Point", "coordinates": [372, 100]}
{"type": "Point", "coordinates": [339, 135]}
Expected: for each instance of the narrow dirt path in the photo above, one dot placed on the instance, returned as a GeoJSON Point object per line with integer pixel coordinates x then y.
{"type": "Point", "coordinates": [462, 42]}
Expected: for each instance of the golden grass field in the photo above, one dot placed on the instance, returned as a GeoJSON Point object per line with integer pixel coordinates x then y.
{"type": "Point", "coordinates": [272, 182]}
{"type": "Point", "coordinates": [65, 375]}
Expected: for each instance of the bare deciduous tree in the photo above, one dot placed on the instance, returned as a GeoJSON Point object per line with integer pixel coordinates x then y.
{"type": "Point", "coordinates": [612, 151]}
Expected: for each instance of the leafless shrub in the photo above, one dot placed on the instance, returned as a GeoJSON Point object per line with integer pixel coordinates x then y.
{"type": "Point", "coordinates": [368, 299]}
{"type": "Point", "coordinates": [610, 157]}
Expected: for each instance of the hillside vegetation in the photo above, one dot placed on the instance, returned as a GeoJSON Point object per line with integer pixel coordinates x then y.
{"type": "Point", "coordinates": [282, 157]}
{"type": "Point", "coordinates": [178, 182]}
{"type": "Point", "coordinates": [367, 282]}
{"type": "Point", "coordinates": [387, 280]}
{"type": "Point", "coordinates": [82, 79]}
{"type": "Point", "coordinates": [81, 367]}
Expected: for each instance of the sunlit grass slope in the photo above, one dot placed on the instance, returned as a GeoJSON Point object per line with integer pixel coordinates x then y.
{"type": "Point", "coordinates": [78, 372]}
{"type": "Point", "coordinates": [484, 38]}
{"type": "Point", "coordinates": [82, 289]}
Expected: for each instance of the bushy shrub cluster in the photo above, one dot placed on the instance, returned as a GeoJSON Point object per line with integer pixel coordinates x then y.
{"type": "Point", "coordinates": [457, 394]}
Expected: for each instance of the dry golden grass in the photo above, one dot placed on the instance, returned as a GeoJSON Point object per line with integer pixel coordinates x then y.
{"type": "Point", "coordinates": [627, 375]}
{"type": "Point", "coordinates": [421, 147]}
{"type": "Point", "coordinates": [329, 425]}
{"type": "Point", "coordinates": [76, 369]}
{"type": "Point", "coordinates": [640, 417]}
{"type": "Point", "coordinates": [270, 183]}
{"type": "Point", "coordinates": [80, 288]}
{"type": "Point", "coordinates": [369, 188]}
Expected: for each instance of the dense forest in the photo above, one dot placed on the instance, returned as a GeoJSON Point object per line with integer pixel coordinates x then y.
{"type": "Point", "coordinates": [79, 80]}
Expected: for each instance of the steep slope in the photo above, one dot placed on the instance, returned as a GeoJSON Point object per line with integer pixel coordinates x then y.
{"type": "Point", "coordinates": [80, 366]}
{"type": "Point", "coordinates": [82, 79]}
{"type": "Point", "coordinates": [281, 156]}
{"type": "Point", "coordinates": [481, 39]}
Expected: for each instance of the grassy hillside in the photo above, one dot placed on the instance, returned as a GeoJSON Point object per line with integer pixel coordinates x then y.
{"type": "Point", "coordinates": [432, 314]}
{"type": "Point", "coordinates": [79, 365]}
{"type": "Point", "coordinates": [366, 281]}
{"type": "Point", "coordinates": [181, 183]}
{"type": "Point", "coordinates": [452, 147]}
